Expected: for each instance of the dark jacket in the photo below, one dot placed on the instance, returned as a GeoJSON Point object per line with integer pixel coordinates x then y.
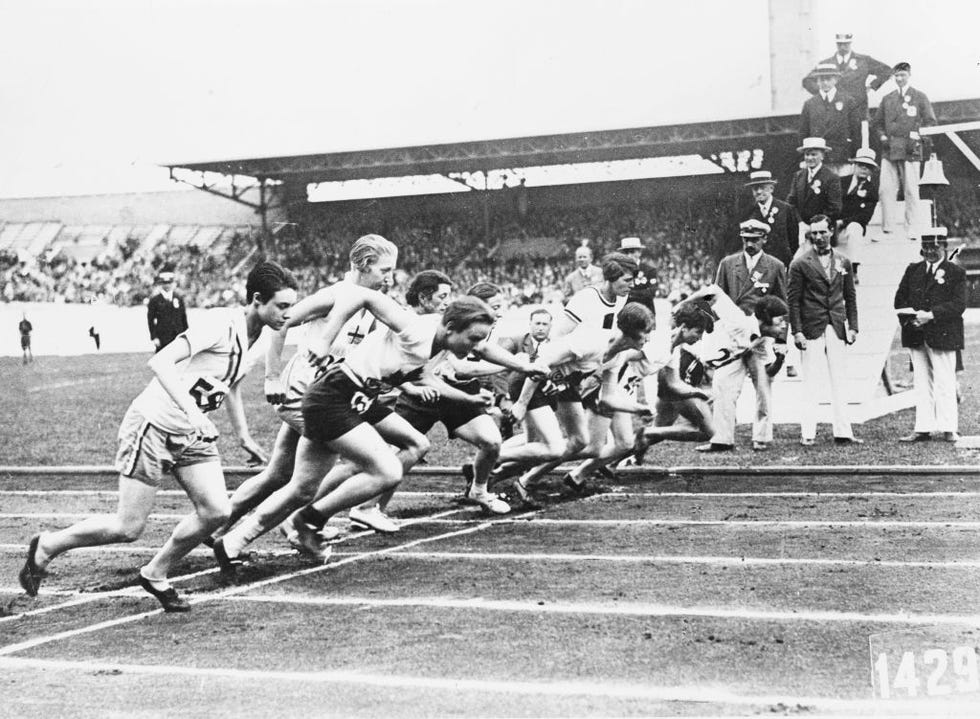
{"type": "Point", "coordinates": [816, 300]}
{"type": "Point", "coordinates": [166, 318]}
{"type": "Point", "coordinates": [944, 295]}
{"type": "Point", "coordinates": [837, 122]}
{"type": "Point", "coordinates": [854, 74]}
{"type": "Point", "coordinates": [895, 119]}
{"type": "Point", "coordinates": [858, 205]}
{"type": "Point", "coordinates": [784, 232]}
{"type": "Point", "coordinates": [747, 288]}
{"type": "Point", "coordinates": [820, 197]}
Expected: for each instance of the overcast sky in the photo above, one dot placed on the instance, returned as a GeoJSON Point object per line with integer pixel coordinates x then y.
{"type": "Point", "coordinates": [94, 93]}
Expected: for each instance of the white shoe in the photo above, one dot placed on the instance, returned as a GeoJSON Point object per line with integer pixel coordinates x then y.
{"type": "Point", "coordinates": [305, 540]}
{"type": "Point", "coordinates": [491, 503]}
{"type": "Point", "coordinates": [374, 519]}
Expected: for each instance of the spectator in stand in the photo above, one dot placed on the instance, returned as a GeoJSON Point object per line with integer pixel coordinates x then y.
{"type": "Point", "coordinates": [833, 115]}
{"type": "Point", "coordinates": [860, 197]}
{"type": "Point", "coordinates": [930, 301]}
{"type": "Point", "coordinates": [585, 274]}
{"type": "Point", "coordinates": [166, 313]}
{"type": "Point", "coordinates": [25, 328]}
{"type": "Point", "coordinates": [781, 217]}
{"type": "Point", "coordinates": [858, 73]}
{"type": "Point", "coordinates": [632, 247]}
{"type": "Point", "coordinates": [815, 189]}
{"type": "Point", "coordinates": [903, 112]}
{"type": "Point", "coordinates": [746, 277]}
{"type": "Point", "coordinates": [823, 317]}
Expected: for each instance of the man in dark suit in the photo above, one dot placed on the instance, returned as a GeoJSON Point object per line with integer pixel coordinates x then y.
{"type": "Point", "coordinates": [930, 301]}
{"type": "Point", "coordinates": [859, 73]}
{"type": "Point", "coordinates": [815, 190]}
{"type": "Point", "coordinates": [859, 194]}
{"type": "Point", "coordinates": [823, 318]}
{"type": "Point", "coordinates": [781, 217]}
{"type": "Point", "coordinates": [746, 277]}
{"type": "Point", "coordinates": [903, 112]}
{"type": "Point", "coordinates": [833, 115]}
{"type": "Point", "coordinates": [166, 313]}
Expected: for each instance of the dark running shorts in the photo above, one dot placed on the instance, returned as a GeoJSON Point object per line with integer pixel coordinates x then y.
{"type": "Point", "coordinates": [334, 405]}
{"type": "Point", "coordinates": [25, 342]}
{"type": "Point", "coordinates": [538, 399]}
{"type": "Point", "coordinates": [453, 415]}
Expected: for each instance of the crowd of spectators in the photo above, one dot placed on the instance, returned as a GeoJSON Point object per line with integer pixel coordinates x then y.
{"type": "Point", "coordinates": [683, 238]}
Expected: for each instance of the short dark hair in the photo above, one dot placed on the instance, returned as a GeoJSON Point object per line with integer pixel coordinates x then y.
{"type": "Point", "coordinates": [540, 311]}
{"type": "Point", "coordinates": [695, 314]}
{"type": "Point", "coordinates": [424, 285]}
{"type": "Point", "coordinates": [768, 308]}
{"type": "Point", "coordinates": [616, 264]}
{"type": "Point", "coordinates": [634, 319]}
{"type": "Point", "coordinates": [465, 311]}
{"type": "Point", "coordinates": [266, 279]}
{"type": "Point", "coordinates": [484, 290]}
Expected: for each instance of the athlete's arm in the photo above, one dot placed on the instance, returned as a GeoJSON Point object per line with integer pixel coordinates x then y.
{"type": "Point", "coordinates": [239, 424]}
{"type": "Point", "coordinates": [671, 386]}
{"type": "Point", "coordinates": [164, 366]}
{"type": "Point", "coordinates": [500, 356]}
{"type": "Point", "coordinates": [348, 300]}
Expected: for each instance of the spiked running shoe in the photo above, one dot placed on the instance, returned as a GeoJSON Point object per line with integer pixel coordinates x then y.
{"type": "Point", "coordinates": [171, 601]}
{"type": "Point", "coordinates": [305, 540]}
{"type": "Point", "coordinates": [491, 503]}
{"type": "Point", "coordinates": [372, 518]}
{"type": "Point", "coordinates": [30, 574]}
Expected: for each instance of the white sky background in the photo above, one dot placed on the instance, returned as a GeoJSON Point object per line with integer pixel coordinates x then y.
{"type": "Point", "coordinates": [93, 93]}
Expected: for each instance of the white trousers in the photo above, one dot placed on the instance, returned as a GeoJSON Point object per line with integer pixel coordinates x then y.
{"type": "Point", "coordinates": [934, 384]}
{"type": "Point", "coordinates": [850, 241]}
{"type": "Point", "coordinates": [727, 386]}
{"type": "Point", "coordinates": [906, 173]}
{"type": "Point", "coordinates": [824, 360]}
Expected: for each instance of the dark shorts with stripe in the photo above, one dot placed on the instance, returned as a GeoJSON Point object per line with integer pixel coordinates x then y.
{"type": "Point", "coordinates": [538, 399]}
{"type": "Point", "coordinates": [335, 404]}
{"type": "Point", "coordinates": [423, 416]}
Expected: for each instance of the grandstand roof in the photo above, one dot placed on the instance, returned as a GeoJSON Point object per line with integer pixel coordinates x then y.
{"type": "Point", "coordinates": [702, 137]}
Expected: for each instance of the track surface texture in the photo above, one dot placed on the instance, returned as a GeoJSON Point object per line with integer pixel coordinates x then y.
{"type": "Point", "coordinates": [660, 595]}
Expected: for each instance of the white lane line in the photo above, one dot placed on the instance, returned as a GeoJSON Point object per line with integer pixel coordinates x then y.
{"type": "Point", "coordinates": [71, 383]}
{"type": "Point", "coordinates": [759, 523]}
{"type": "Point", "coordinates": [768, 495]}
{"type": "Point", "coordinates": [688, 559]}
{"type": "Point", "coordinates": [112, 493]}
{"type": "Point", "coordinates": [697, 694]}
{"type": "Point", "coordinates": [78, 515]}
{"type": "Point", "coordinates": [626, 609]}
{"type": "Point", "coordinates": [38, 641]}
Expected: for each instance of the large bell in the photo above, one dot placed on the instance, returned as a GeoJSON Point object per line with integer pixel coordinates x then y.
{"type": "Point", "coordinates": [932, 173]}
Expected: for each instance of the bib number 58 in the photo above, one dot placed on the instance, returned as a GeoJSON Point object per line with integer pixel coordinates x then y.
{"type": "Point", "coordinates": [206, 395]}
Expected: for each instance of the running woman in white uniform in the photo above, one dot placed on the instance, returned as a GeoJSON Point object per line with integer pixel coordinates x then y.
{"type": "Point", "coordinates": [166, 430]}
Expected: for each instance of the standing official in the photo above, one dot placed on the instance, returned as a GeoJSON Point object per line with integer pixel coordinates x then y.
{"type": "Point", "coordinates": [903, 112]}
{"type": "Point", "coordinates": [930, 301]}
{"type": "Point", "coordinates": [166, 313]}
{"type": "Point", "coordinates": [746, 277]}
{"type": "Point", "coordinates": [833, 115]}
{"type": "Point", "coordinates": [859, 194]}
{"type": "Point", "coordinates": [858, 73]}
{"type": "Point", "coordinates": [782, 219]}
{"type": "Point", "coordinates": [585, 274]}
{"type": "Point", "coordinates": [823, 317]}
{"type": "Point", "coordinates": [815, 190]}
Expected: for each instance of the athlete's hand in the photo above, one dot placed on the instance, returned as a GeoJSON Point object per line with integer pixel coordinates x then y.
{"type": "Point", "coordinates": [422, 392]}
{"type": "Point", "coordinates": [274, 392]}
{"type": "Point", "coordinates": [256, 457]}
{"type": "Point", "coordinates": [537, 370]}
{"type": "Point", "coordinates": [483, 398]}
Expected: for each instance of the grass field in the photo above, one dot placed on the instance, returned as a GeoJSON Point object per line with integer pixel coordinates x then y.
{"type": "Point", "coordinates": [700, 593]}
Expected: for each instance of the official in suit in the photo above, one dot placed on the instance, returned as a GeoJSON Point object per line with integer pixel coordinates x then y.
{"type": "Point", "coordinates": [933, 295]}
{"type": "Point", "coordinates": [833, 115]}
{"type": "Point", "coordinates": [781, 217]}
{"type": "Point", "coordinates": [746, 277]}
{"type": "Point", "coordinates": [815, 190]}
{"type": "Point", "coordinates": [903, 112]}
{"type": "Point", "coordinates": [166, 312]}
{"type": "Point", "coordinates": [859, 194]}
{"type": "Point", "coordinates": [584, 275]}
{"type": "Point", "coordinates": [824, 319]}
{"type": "Point", "coordinates": [859, 73]}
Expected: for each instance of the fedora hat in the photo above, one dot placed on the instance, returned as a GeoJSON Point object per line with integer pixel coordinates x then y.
{"type": "Point", "coordinates": [864, 156]}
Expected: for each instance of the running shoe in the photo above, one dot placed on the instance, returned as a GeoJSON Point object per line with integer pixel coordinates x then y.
{"type": "Point", "coordinates": [372, 518]}
{"type": "Point", "coordinates": [304, 539]}
{"type": "Point", "coordinates": [171, 601]}
{"type": "Point", "coordinates": [30, 574]}
{"type": "Point", "coordinates": [491, 503]}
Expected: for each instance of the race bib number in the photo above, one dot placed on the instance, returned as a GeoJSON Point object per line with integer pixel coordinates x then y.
{"type": "Point", "coordinates": [208, 395]}
{"type": "Point", "coordinates": [361, 402]}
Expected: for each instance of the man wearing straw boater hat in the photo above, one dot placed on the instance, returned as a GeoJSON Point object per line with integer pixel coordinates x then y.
{"type": "Point", "coordinates": [930, 302]}
{"type": "Point", "coordinates": [780, 216]}
{"type": "Point", "coordinates": [859, 194]}
{"type": "Point", "coordinates": [833, 115]}
{"type": "Point", "coordinates": [815, 190]}
{"type": "Point", "coordinates": [858, 73]}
